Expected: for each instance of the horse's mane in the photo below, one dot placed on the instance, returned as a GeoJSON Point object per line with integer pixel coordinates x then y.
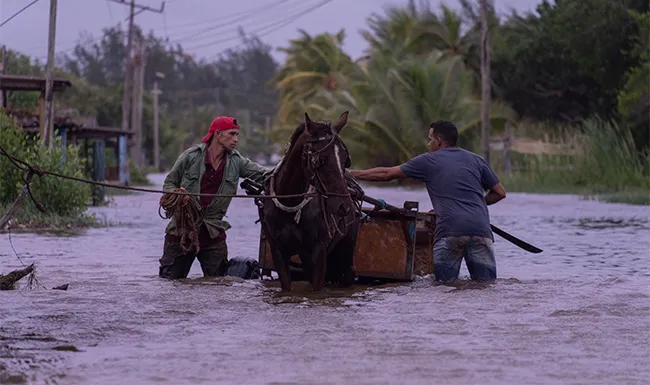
{"type": "Point", "coordinates": [294, 137]}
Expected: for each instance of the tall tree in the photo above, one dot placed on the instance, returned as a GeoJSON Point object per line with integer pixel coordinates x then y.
{"type": "Point", "coordinates": [547, 71]}
{"type": "Point", "coordinates": [313, 64]}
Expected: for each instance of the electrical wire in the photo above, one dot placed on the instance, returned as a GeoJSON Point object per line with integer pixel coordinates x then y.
{"type": "Point", "coordinates": [19, 12]}
{"type": "Point", "coordinates": [265, 29]}
{"type": "Point", "coordinates": [212, 20]}
{"type": "Point", "coordinates": [232, 31]}
{"type": "Point", "coordinates": [259, 32]}
{"type": "Point", "coordinates": [250, 12]}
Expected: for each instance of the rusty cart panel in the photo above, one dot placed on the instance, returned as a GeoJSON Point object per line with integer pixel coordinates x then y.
{"type": "Point", "coordinates": [389, 245]}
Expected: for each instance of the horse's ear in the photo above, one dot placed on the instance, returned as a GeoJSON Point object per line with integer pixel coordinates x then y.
{"type": "Point", "coordinates": [343, 120]}
{"type": "Point", "coordinates": [309, 125]}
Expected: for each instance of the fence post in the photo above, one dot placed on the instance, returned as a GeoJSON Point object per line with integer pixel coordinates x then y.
{"type": "Point", "coordinates": [122, 160]}
{"type": "Point", "coordinates": [507, 143]}
{"type": "Point", "coordinates": [62, 132]}
{"type": "Point", "coordinates": [99, 169]}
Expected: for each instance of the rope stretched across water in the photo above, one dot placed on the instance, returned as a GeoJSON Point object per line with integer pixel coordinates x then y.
{"type": "Point", "coordinates": [38, 171]}
{"type": "Point", "coordinates": [177, 204]}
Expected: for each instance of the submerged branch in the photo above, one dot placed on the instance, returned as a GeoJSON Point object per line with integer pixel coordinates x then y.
{"type": "Point", "coordinates": [8, 281]}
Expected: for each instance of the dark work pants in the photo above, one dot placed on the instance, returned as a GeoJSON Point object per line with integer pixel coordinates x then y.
{"type": "Point", "coordinates": [176, 264]}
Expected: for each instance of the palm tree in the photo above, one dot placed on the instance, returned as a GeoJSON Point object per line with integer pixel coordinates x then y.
{"type": "Point", "coordinates": [391, 111]}
{"type": "Point", "coordinates": [312, 64]}
{"type": "Point", "coordinates": [394, 35]}
{"type": "Point", "coordinates": [453, 37]}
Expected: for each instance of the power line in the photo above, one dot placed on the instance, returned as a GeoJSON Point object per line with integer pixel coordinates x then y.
{"type": "Point", "coordinates": [262, 31]}
{"type": "Point", "coordinates": [279, 24]}
{"type": "Point", "coordinates": [213, 28]}
{"type": "Point", "coordinates": [110, 11]}
{"type": "Point", "coordinates": [233, 30]}
{"type": "Point", "coordinates": [222, 18]}
{"type": "Point", "coordinates": [248, 12]}
{"type": "Point", "coordinates": [19, 12]}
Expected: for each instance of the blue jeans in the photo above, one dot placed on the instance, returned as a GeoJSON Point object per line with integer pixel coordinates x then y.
{"type": "Point", "coordinates": [479, 257]}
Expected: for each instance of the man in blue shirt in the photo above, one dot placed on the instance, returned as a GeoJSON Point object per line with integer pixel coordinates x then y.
{"type": "Point", "coordinates": [456, 180]}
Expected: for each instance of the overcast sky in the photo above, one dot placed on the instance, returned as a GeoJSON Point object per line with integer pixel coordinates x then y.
{"type": "Point", "coordinates": [203, 27]}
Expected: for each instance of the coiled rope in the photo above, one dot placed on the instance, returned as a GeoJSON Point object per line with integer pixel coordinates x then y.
{"type": "Point", "coordinates": [186, 212]}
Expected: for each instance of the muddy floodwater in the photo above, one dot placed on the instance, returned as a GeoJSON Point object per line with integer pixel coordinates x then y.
{"type": "Point", "coordinates": [579, 313]}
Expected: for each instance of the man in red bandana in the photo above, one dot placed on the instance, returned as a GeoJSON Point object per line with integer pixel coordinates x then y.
{"type": "Point", "coordinates": [211, 167]}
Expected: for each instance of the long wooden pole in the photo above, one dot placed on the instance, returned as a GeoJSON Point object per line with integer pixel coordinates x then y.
{"type": "Point", "coordinates": [136, 109]}
{"type": "Point", "coordinates": [49, 81]}
{"type": "Point", "coordinates": [485, 82]}
{"type": "Point", "coordinates": [156, 145]}
{"type": "Point", "coordinates": [128, 77]}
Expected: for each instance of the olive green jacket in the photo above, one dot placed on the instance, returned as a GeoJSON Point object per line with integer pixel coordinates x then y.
{"type": "Point", "coordinates": [187, 173]}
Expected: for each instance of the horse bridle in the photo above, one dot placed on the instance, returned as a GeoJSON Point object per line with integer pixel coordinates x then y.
{"type": "Point", "coordinates": [315, 161]}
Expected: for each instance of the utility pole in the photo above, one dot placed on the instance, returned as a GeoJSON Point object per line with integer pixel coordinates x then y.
{"type": "Point", "coordinates": [128, 76]}
{"type": "Point", "coordinates": [49, 81]}
{"type": "Point", "coordinates": [128, 70]}
{"type": "Point", "coordinates": [485, 82]}
{"type": "Point", "coordinates": [156, 145]}
{"type": "Point", "coordinates": [139, 61]}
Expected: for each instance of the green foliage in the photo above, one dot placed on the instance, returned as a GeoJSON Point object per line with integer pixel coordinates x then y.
{"type": "Point", "coordinates": [415, 73]}
{"type": "Point", "coordinates": [611, 162]}
{"type": "Point", "coordinates": [634, 97]}
{"type": "Point", "coordinates": [139, 177]}
{"type": "Point", "coordinates": [313, 64]}
{"type": "Point", "coordinates": [16, 144]}
{"type": "Point", "coordinates": [546, 69]}
{"type": "Point", "coordinates": [60, 197]}
{"type": "Point", "coordinates": [608, 166]}
{"type": "Point", "coordinates": [18, 64]}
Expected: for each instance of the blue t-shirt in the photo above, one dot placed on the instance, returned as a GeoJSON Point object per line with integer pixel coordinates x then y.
{"type": "Point", "coordinates": [456, 180]}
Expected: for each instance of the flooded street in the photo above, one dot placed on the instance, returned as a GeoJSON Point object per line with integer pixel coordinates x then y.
{"type": "Point", "coordinates": [578, 313]}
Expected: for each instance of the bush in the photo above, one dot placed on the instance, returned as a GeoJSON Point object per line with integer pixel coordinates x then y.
{"type": "Point", "coordinates": [61, 197]}
{"type": "Point", "coordinates": [608, 166]}
{"type": "Point", "coordinates": [611, 161]}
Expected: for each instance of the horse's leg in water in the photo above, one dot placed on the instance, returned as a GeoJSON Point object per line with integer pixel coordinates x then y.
{"type": "Point", "coordinates": [307, 265]}
{"type": "Point", "coordinates": [333, 269]}
{"type": "Point", "coordinates": [280, 263]}
{"type": "Point", "coordinates": [282, 267]}
{"type": "Point", "coordinates": [319, 257]}
{"type": "Point", "coordinates": [342, 260]}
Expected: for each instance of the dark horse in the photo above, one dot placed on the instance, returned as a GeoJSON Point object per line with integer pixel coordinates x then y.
{"type": "Point", "coordinates": [320, 228]}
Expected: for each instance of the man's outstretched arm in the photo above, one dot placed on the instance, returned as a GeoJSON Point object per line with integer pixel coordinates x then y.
{"type": "Point", "coordinates": [379, 174]}
{"type": "Point", "coordinates": [495, 194]}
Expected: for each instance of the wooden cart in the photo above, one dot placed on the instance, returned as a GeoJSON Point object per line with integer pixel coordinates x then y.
{"type": "Point", "coordinates": [389, 246]}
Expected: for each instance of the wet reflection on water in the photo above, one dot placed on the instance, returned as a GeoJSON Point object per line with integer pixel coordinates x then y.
{"type": "Point", "coordinates": [577, 313]}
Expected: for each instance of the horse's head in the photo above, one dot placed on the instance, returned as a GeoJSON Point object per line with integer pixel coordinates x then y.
{"type": "Point", "coordinates": [325, 155]}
